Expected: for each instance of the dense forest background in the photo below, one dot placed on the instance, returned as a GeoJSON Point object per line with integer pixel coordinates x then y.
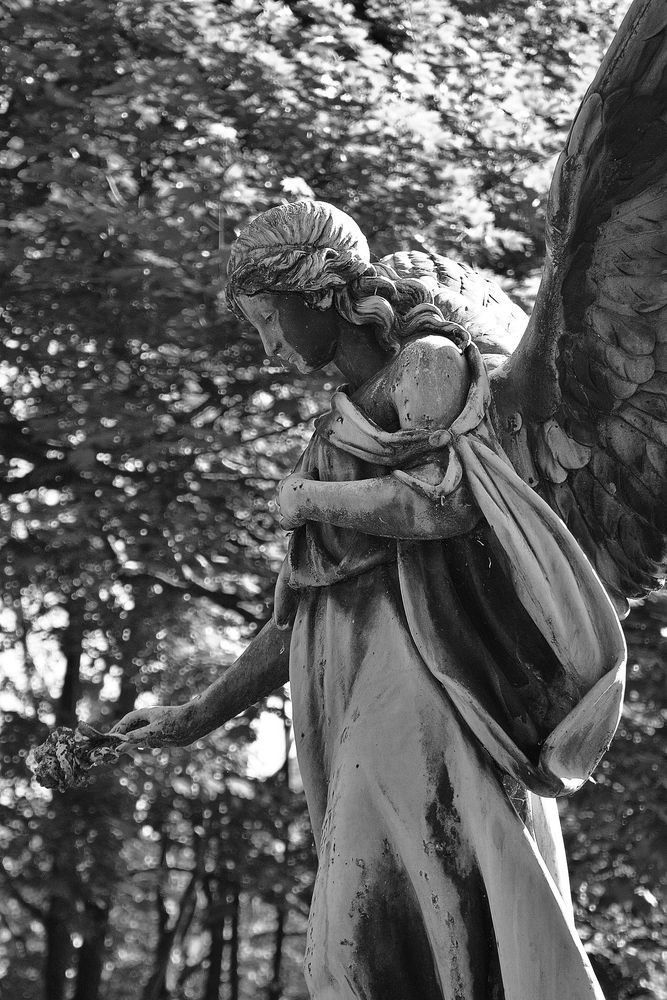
{"type": "Point", "coordinates": [142, 436]}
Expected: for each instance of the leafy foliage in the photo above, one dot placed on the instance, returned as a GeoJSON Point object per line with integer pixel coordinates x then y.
{"type": "Point", "coordinates": [143, 436]}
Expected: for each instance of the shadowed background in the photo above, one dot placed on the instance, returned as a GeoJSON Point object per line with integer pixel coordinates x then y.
{"type": "Point", "coordinates": [142, 436]}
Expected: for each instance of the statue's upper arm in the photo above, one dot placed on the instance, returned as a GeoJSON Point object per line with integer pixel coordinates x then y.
{"type": "Point", "coordinates": [431, 383]}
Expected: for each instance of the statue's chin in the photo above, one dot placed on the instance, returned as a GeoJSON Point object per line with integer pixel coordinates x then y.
{"type": "Point", "coordinates": [289, 357]}
{"type": "Point", "coordinates": [295, 362]}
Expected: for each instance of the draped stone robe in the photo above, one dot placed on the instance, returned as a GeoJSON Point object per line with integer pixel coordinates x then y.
{"type": "Point", "coordinates": [422, 676]}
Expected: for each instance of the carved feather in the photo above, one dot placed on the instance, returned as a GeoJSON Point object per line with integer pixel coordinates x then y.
{"type": "Point", "coordinates": [590, 374]}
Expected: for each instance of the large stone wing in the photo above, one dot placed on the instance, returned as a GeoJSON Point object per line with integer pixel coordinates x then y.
{"type": "Point", "coordinates": [582, 402]}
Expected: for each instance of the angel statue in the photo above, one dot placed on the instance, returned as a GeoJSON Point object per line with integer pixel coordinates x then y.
{"type": "Point", "coordinates": [467, 523]}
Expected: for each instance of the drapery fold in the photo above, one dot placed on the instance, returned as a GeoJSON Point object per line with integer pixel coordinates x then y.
{"type": "Point", "coordinates": [543, 564]}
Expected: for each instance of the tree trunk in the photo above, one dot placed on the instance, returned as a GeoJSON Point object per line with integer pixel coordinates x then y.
{"type": "Point", "coordinates": [58, 948]}
{"type": "Point", "coordinates": [168, 937]}
{"type": "Point", "coordinates": [216, 926]}
{"type": "Point", "coordinates": [234, 949]}
{"type": "Point", "coordinates": [215, 955]}
{"type": "Point", "coordinates": [91, 954]}
{"type": "Point", "coordinates": [70, 644]}
{"type": "Point", "coordinates": [155, 988]}
{"type": "Point", "coordinates": [58, 938]}
{"type": "Point", "coordinates": [275, 989]}
{"type": "Point", "coordinates": [133, 632]}
{"type": "Point", "coordinates": [155, 985]}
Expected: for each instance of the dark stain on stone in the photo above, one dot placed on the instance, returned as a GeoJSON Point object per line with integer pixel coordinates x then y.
{"type": "Point", "coordinates": [443, 821]}
{"type": "Point", "coordinates": [394, 959]}
{"type": "Point", "coordinates": [476, 914]}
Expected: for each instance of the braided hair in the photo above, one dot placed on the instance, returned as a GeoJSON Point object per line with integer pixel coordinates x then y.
{"type": "Point", "coordinates": [317, 251]}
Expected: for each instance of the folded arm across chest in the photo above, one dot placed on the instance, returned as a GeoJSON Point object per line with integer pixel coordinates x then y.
{"type": "Point", "coordinates": [428, 387]}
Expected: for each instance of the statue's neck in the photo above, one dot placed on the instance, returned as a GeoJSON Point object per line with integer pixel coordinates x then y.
{"type": "Point", "coordinates": [359, 356]}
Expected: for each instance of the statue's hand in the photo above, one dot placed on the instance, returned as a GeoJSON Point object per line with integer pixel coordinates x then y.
{"type": "Point", "coordinates": [292, 508]}
{"type": "Point", "coordinates": [154, 727]}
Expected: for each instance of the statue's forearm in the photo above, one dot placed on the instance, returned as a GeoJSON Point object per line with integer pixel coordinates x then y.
{"type": "Point", "coordinates": [260, 669]}
{"type": "Point", "coordinates": [387, 507]}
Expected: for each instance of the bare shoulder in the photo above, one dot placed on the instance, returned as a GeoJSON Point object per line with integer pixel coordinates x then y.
{"type": "Point", "coordinates": [430, 382]}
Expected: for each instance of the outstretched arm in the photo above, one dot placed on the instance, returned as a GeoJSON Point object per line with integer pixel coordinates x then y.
{"type": "Point", "coordinates": [260, 669]}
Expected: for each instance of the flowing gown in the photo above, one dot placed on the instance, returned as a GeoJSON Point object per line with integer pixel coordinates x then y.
{"type": "Point", "coordinates": [432, 883]}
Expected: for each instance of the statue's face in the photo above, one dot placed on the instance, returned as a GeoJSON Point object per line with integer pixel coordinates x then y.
{"type": "Point", "coordinates": [292, 332]}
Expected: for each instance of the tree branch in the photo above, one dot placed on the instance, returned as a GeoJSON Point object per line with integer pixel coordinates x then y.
{"type": "Point", "coordinates": [191, 587]}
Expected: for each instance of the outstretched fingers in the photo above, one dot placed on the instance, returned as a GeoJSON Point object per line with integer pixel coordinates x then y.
{"type": "Point", "coordinates": [138, 730]}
